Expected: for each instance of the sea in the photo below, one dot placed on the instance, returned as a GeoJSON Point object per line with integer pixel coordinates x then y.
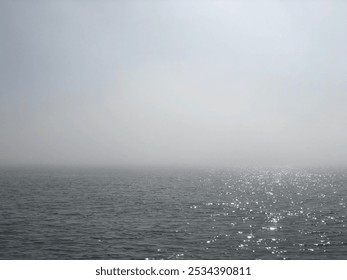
{"type": "Point", "coordinates": [172, 213]}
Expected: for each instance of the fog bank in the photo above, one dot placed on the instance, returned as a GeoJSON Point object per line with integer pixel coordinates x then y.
{"type": "Point", "coordinates": [216, 83]}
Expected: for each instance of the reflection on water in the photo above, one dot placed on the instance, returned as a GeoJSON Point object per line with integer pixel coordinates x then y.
{"type": "Point", "coordinates": [173, 214]}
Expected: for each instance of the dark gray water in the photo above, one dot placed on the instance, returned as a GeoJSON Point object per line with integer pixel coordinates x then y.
{"type": "Point", "coordinates": [172, 214]}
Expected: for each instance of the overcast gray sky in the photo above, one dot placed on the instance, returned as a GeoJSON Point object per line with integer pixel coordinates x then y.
{"type": "Point", "coordinates": [173, 82]}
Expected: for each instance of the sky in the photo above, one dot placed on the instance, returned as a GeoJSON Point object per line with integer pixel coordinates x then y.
{"type": "Point", "coordinates": [215, 83]}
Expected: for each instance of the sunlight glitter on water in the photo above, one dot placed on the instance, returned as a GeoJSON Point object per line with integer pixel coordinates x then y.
{"type": "Point", "coordinates": [240, 214]}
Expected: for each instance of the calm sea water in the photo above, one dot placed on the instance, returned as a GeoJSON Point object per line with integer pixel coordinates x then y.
{"type": "Point", "coordinates": [172, 214]}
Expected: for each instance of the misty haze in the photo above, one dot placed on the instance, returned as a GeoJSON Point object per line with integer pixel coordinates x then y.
{"type": "Point", "coordinates": [173, 129]}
